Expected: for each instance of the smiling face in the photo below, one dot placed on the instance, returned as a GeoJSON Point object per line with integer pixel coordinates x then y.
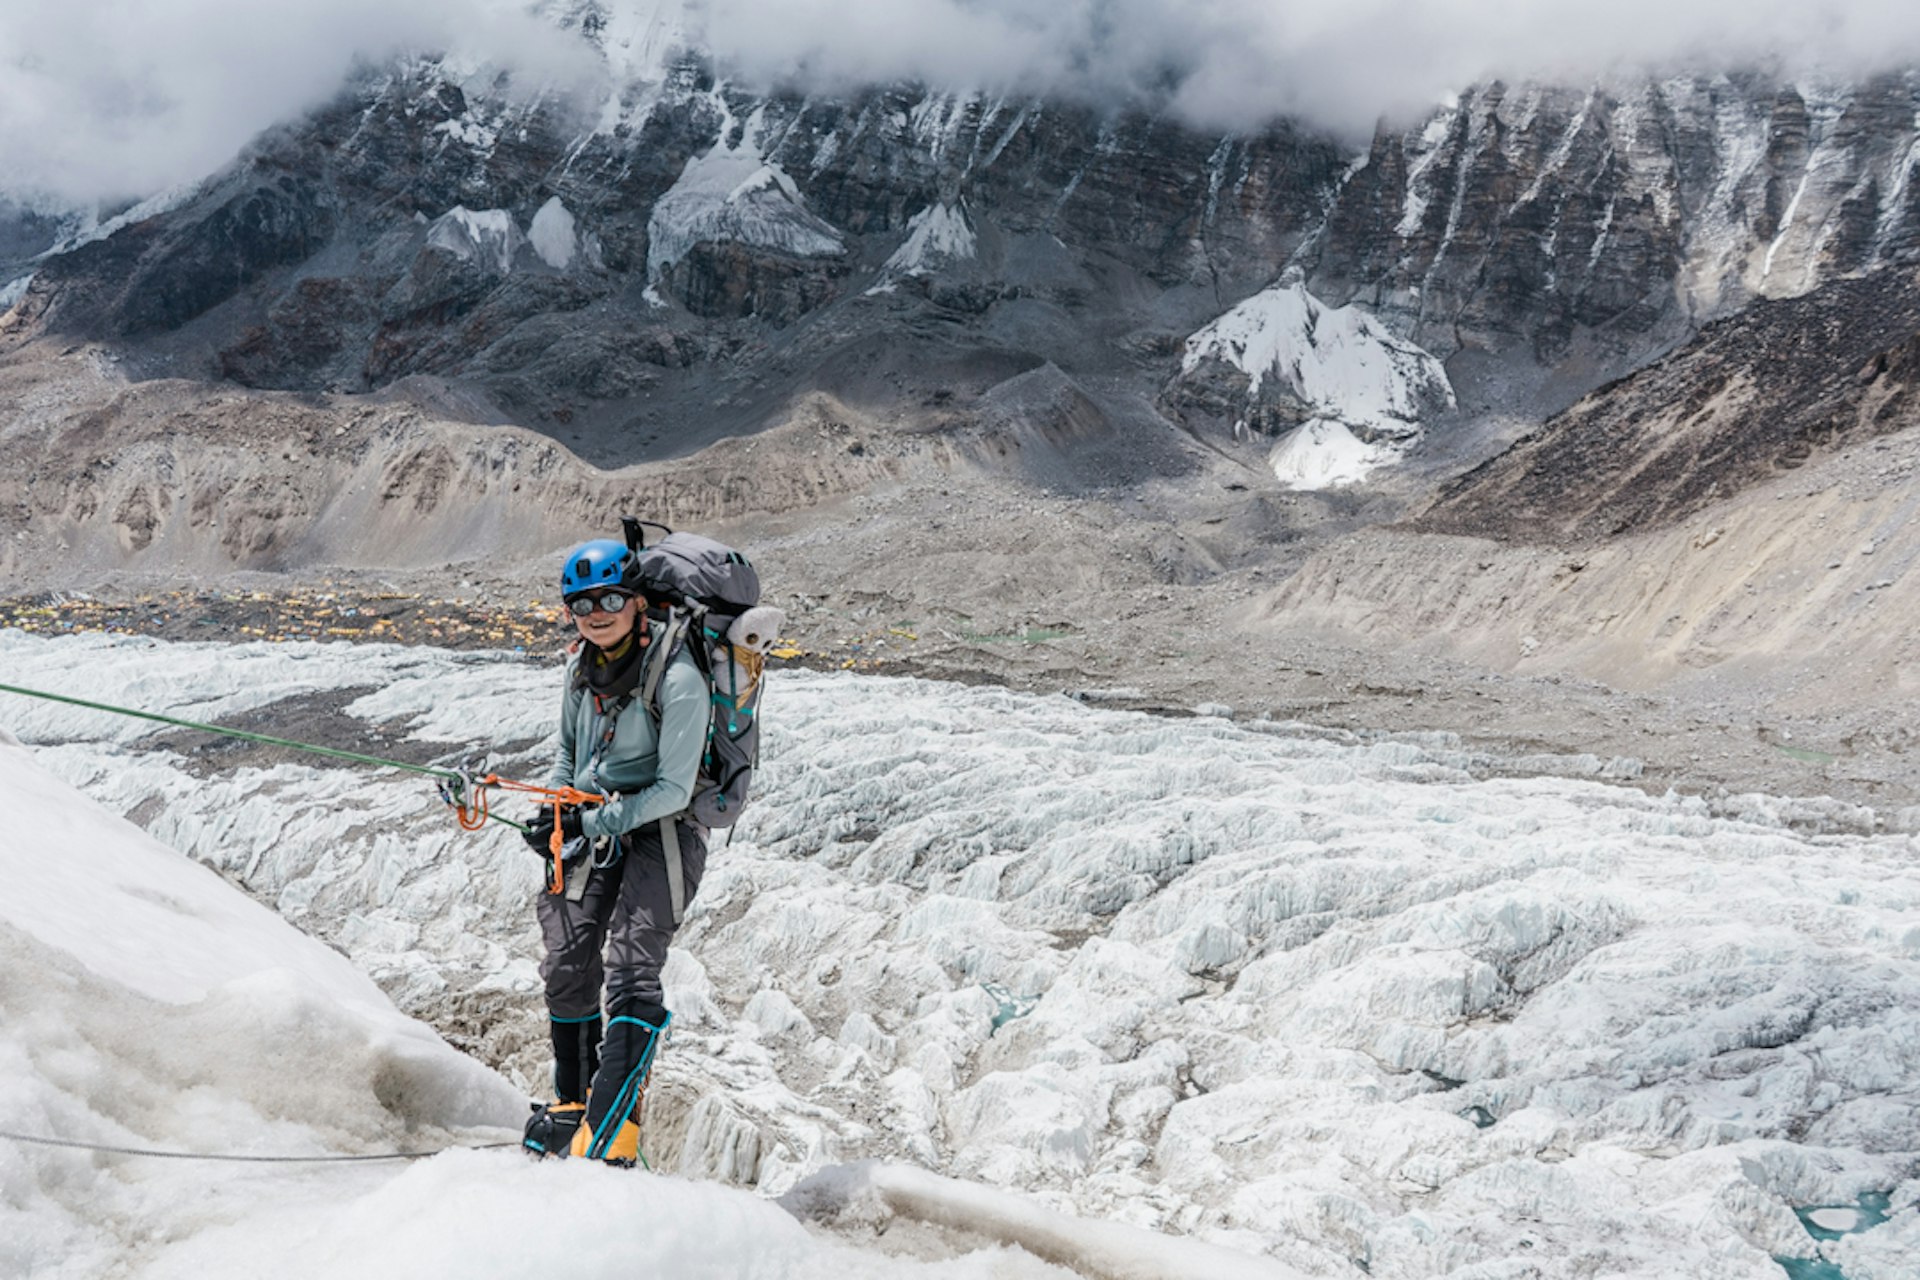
{"type": "Point", "coordinates": [608, 629]}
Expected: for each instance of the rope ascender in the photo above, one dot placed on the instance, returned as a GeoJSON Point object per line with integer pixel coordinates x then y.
{"type": "Point", "coordinates": [466, 795]}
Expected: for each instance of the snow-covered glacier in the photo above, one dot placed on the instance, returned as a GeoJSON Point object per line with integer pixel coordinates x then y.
{"type": "Point", "coordinates": [1352, 394]}
{"type": "Point", "coordinates": [1358, 1002]}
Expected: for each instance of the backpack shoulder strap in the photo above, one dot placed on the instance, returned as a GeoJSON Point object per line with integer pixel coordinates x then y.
{"type": "Point", "coordinates": [665, 649]}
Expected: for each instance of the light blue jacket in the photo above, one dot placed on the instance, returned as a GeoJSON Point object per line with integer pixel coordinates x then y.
{"type": "Point", "coordinates": [653, 771]}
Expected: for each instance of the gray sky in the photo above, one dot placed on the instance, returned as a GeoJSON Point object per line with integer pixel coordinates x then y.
{"type": "Point", "coordinates": [111, 99]}
{"type": "Point", "coordinates": [1340, 63]}
{"type": "Point", "coordinates": [120, 98]}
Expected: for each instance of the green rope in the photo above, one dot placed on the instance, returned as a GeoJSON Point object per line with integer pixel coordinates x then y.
{"type": "Point", "coordinates": [446, 775]}
{"type": "Point", "coordinates": [231, 733]}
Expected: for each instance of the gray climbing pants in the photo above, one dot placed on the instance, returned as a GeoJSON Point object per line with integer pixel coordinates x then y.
{"type": "Point", "coordinates": [616, 934]}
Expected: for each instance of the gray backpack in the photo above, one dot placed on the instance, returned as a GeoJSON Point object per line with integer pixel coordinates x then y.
{"type": "Point", "coordinates": [715, 613]}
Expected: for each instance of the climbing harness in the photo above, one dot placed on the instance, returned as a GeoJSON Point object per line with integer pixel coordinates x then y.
{"type": "Point", "coordinates": [155, 1154]}
{"type": "Point", "coordinates": [463, 792]}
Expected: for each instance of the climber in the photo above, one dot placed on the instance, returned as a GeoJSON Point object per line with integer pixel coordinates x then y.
{"type": "Point", "coordinates": [634, 714]}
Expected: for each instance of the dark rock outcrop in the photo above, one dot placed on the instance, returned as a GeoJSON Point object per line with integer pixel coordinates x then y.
{"type": "Point", "coordinates": [160, 274]}
{"type": "Point", "coordinates": [1757, 395]}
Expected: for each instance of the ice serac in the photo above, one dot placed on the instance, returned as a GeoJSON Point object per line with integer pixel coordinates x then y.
{"type": "Point", "coordinates": [733, 235]}
{"type": "Point", "coordinates": [1349, 395]}
{"type": "Point", "coordinates": [938, 234]}
{"type": "Point", "coordinates": [488, 237]}
{"type": "Point", "coordinates": [553, 235]}
{"type": "Point", "coordinates": [941, 244]}
{"type": "Point", "coordinates": [13, 291]}
{"type": "Point", "coordinates": [732, 193]}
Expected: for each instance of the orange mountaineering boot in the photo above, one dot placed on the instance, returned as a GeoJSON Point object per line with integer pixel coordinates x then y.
{"type": "Point", "coordinates": [623, 1150]}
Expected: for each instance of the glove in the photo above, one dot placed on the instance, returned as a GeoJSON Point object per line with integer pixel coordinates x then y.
{"type": "Point", "coordinates": [539, 832]}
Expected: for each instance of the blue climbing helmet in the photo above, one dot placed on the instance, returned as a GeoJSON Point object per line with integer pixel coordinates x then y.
{"type": "Point", "coordinates": [595, 565]}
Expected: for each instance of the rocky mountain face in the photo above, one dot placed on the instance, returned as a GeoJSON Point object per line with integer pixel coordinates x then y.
{"type": "Point", "coordinates": [678, 262]}
{"type": "Point", "coordinates": [1757, 396]}
{"type": "Point", "coordinates": [705, 227]}
{"type": "Point", "coordinates": [1543, 214]}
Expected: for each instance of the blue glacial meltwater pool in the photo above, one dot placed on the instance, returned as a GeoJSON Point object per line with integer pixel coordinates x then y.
{"type": "Point", "coordinates": [1830, 1222]}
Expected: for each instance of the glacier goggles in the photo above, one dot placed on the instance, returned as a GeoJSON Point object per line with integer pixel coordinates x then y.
{"type": "Point", "coordinates": [612, 600]}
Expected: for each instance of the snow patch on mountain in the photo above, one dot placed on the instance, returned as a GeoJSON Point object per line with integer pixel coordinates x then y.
{"type": "Point", "coordinates": [1719, 235]}
{"type": "Point", "coordinates": [1323, 454]}
{"type": "Point", "coordinates": [1893, 212]}
{"type": "Point", "coordinates": [473, 132]}
{"type": "Point", "coordinates": [91, 228]}
{"type": "Point", "coordinates": [641, 42]}
{"type": "Point", "coordinates": [1557, 159]}
{"type": "Point", "coordinates": [553, 235]}
{"type": "Point", "coordinates": [733, 193]}
{"type": "Point", "coordinates": [1425, 151]}
{"type": "Point", "coordinates": [936, 235]}
{"type": "Point", "coordinates": [13, 291]}
{"type": "Point", "coordinates": [639, 38]}
{"type": "Point", "coordinates": [1340, 358]}
{"type": "Point", "coordinates": [937, 120]}
{"type": "Point", "coordinates": [1362, 391]}
{"type": "Point", "coordinates": [489, 237]}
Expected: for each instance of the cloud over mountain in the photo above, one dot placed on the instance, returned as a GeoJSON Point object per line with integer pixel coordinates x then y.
{"type": "Point", "coordinates": [118, 98]}
{"type": "Point", "coordinates": [1235, 63]}
{"type": "Point", "coordinates": [115, 99]}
